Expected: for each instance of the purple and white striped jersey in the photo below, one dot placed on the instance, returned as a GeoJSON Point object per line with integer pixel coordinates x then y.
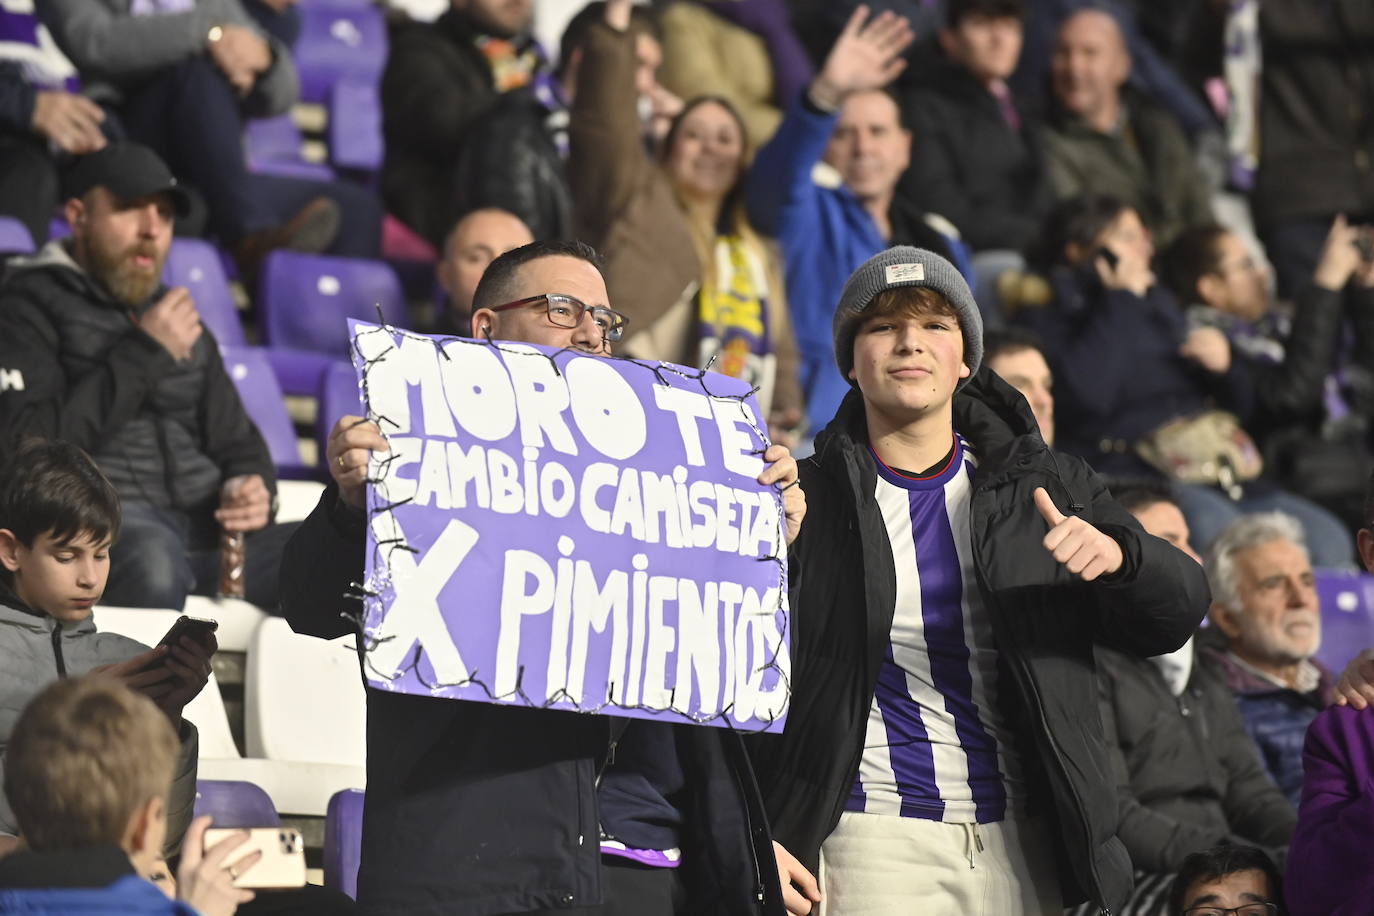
{"type": "Point", "coordinates": [938, 746]}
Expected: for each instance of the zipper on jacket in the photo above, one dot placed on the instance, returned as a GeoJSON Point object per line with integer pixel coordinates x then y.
{"type": "Point", "coordinates": [759, 893]}
{"type": "Point", "coordinates": [57, 649]}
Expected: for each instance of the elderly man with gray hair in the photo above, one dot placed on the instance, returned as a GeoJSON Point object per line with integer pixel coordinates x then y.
{"type": "Point", "coordinates": [1268, 627]}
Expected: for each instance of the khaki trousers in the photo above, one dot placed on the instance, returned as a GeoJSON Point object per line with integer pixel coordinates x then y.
{"type": "Point", "coordinates": [881, 865]}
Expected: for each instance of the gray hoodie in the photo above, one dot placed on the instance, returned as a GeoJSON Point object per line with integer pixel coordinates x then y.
{"type": "Point", "coordinates": [36, 650]}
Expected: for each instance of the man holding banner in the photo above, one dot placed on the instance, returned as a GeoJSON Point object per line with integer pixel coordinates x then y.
{"type": "Point", "coordinates": [480, 808]}
{"type": "Point", "coordinates": [943, 743]}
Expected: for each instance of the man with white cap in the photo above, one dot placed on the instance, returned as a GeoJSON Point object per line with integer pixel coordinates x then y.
{"type": "Point", "coordinates": [943, 751]}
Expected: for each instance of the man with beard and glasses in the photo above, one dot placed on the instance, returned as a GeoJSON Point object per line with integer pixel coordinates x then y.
{"type": "Point", "coordinates": [94, 350]}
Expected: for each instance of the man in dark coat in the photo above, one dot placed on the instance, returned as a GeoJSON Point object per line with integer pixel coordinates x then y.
{"type": "Point", "coordinates": [975, 157]}
{"type": "Point", "coordinates": [475, 809]}
{"type": "Point", "coordinates": [465, 101]}
{"type": "Point", "coordinates": [953, 577]}
{"type": "Point", "coordinates": [96, 351]}
{"type": "Point", "coordinates": [1188, 774]}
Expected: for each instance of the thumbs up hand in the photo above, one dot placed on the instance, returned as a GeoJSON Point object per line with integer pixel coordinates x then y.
{"type": "Point", "coordinates": [1077, 545]}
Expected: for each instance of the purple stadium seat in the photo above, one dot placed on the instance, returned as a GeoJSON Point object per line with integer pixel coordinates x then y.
{"type": "Point", "coordinates": [235, 804]}
{"type": "Point", "coordinates": [305, 300]}
{"type": "Point", "coordinates": [336, 42]}
{"type": "Point", "coordinates": [1347, 603]}
{"type": "Point", "coordinates": [355, 125]}
{"type": "Point", "coordinates": [196, 265]}
{"type": "Point", "coordinates": [274, 148]}
{"type": "Point", "coordinates": [14, 237]}
{"type": "Point", "coordinates": [338, 396]}
{"type": "Point", "coordinates": [59, 228]}
{"type": "Point", "coordinates": [261, 395]}
{"type": "Point", "coordinates": [343, 841]}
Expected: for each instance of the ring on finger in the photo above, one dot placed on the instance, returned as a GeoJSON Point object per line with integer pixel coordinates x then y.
{"type": "Point", "coordinates": [232, 873]}
{"type": "Point", "coordinates": [340, 459]}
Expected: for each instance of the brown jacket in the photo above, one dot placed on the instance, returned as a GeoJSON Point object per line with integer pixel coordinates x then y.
{"type": "Point", "coordinates": [626, 208]}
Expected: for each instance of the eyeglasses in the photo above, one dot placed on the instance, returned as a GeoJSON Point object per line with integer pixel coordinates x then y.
{"type": "Point", "coordinates": [1248, 909]}
{"type": "Point", "coordinates": [567, 312]}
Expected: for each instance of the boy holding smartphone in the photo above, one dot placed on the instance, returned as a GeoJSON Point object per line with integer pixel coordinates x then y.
{"type": "Point", "coordinates": [58, 518]}
{"type": "Point", "coordinates": [90, 775]}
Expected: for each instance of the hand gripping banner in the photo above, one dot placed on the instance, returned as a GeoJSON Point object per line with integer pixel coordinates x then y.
{"type": "Point", "coordinates": [561, 530]}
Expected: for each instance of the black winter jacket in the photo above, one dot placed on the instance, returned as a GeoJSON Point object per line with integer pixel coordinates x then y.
{"type": "Point", "coordinates": [438, 98]}
{"type": "Point", "coordinates": [1316, 111]}
{"type": "Point", "coordinates": [474, 809]}
{"type": "Point", "coordinates": [1188, 774]}
{"type": "Point", "coordinates": [1045, 621]}
{"type": "Point", "coordinates": [971, 167]}
{"type": "Point", "coordinates": [76, 368]}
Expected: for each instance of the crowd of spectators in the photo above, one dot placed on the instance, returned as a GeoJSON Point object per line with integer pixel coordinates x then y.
{"type": "Point", "coordinates": [1162, 214]}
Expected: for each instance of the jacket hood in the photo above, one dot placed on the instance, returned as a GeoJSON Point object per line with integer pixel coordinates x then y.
{"type": "Point", "coordinates": [14, 612]}
{"type": "Point", "coordinates": [56, 258]}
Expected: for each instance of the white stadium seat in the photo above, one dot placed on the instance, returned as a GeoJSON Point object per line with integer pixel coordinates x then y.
{"type": "Point", "coordinates": [297, 787]}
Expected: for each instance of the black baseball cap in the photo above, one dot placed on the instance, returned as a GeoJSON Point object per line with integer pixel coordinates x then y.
{"type": "Point", "coordinates": [127, 170]}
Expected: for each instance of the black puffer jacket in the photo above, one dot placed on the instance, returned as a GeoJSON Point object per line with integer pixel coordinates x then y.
{"type": "Point", "coordinates": [971, 167]}
{"type": "Point", "coordinates": [1045, 621]}
{"type": "Point", "coordinates": [438, 98]}
{"type": "Point", "coordinates": [474, 809]}
{"type": "Point", "coordinates": [75, 367]}
{"type": "Point", "coordinates": [1316, 111]}
{"type": "Point", "coordinates": [1189, 774]}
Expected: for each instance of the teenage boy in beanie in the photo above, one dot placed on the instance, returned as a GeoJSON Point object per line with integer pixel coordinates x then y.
{"type": "Point", "coordinates": [943, 750]}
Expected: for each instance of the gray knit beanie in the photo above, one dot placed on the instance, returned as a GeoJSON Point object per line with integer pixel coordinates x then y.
{"type": "Point", "coordinates": [906, 266]}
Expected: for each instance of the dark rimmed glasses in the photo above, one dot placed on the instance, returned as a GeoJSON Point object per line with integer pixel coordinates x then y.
{"type": "Point", "coordinates": [1245, 909]}
{"type": "Point", "coordinates": [567, 312]}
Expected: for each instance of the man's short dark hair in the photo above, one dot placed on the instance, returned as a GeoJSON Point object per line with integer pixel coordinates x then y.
{"type": "Point", "coordinates": [51, 487]}
{"type": "Point", "coordinates": [956, 11]}
{"type": "Point", "coordinates": [1006, 341]}
{"type": "Point", "coordinates": [1192, 256]}
{"type": "Point", "coordinates": [1139, 493]}
{"type": "Point", "coordinates": [499, 282]}
{"type": "Point", "coordinates": [642, 19]}
{"type": "Point", "coordinates": [1218, 862]}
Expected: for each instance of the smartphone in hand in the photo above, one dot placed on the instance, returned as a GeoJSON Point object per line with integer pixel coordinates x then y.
{"type": "Point", "coordinates": [283, 856]}
{"type": "Point", "coordinates": [198, 628]}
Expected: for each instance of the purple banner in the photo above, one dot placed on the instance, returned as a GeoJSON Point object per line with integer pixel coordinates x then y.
{"type": "Point", "coordinates": [561, 530]}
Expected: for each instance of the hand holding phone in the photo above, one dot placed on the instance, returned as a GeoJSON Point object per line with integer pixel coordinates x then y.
{"type": "Point", "coordinates": [279, 862]}
{"type": "Point", "coordinates": [186, 651]}
{"type": "Point", "coordinates": [203, 879]}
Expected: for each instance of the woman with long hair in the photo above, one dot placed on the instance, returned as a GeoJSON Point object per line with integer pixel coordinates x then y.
{"type": "Point", "coordinates": [697, 283]}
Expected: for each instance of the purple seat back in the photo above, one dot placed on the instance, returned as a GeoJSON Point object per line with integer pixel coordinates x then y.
{"type": "Point", "coordinates": [355, 125]}
{"type": "Point", "coordinates": [262, 398]}
{"type": "Point", "coordinates": [305, 300]}
{"type": "Point", "coordinates": [235, 804]}
{"type": "Point", "coordinates": [1347, 603]}
{"type": "Point", "coordinates": [14, 237]}
{"type": "Point", "coordinates": [59, 228]}
{"type": "Point", "coordinates": [299, 371]}
{"type": "Point", "coordinates": [196, 265]}
{"type": "Point", "coordinates": [274, 148]}
{"type": "Point", "coordinates": [343, 841]}
{"type": "Point", "coordinates": [338, 41]}
{"type": "Point", "coordinates": [338, 397]}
